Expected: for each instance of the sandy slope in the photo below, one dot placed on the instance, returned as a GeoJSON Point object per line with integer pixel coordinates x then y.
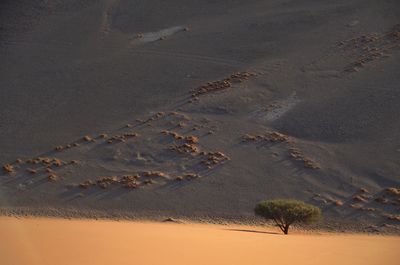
{"type": "Point", "coordinates": [54, 241]}
{"type": "Point", "coordinates": [327, 78]}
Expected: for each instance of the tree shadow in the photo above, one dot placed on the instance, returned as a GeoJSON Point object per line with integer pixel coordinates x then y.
{"type": "Point", "coordinates": [251, 231]}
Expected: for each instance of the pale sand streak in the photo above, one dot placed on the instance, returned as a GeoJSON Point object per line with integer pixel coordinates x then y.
{"type": "Point", "coordinates": [52, 241]}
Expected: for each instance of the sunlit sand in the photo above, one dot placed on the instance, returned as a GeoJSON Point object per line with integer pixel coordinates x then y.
{"type": "Point", "coordinates": [55, 241]}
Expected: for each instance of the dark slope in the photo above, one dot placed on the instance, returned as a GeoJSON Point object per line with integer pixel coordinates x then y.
{"type": "Point", "coordinates": [327, 79]}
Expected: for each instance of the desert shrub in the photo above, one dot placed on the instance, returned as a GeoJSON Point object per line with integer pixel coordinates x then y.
{"type": "Point", "coordinates": [286, 212]}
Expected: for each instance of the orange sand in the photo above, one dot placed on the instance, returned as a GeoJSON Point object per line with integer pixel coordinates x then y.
{"type": "Point", "coordinates": [43, 241]}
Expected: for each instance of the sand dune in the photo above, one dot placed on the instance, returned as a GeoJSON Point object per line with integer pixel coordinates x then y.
{"type": "Point", "coordinates": [54, 241]}
{"type": "Point", "coordinates": [318, 121]}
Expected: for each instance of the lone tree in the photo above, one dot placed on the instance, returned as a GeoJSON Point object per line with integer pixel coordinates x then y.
{"type": "Point", "coordinates": [286, 212]}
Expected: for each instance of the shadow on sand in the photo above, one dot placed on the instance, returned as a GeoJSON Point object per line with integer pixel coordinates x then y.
{"type": "Point", "coordinates": [252, 231]}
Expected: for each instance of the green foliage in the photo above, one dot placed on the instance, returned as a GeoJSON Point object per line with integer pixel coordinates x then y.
{"type": "Point", "coordinates": [286, 212]}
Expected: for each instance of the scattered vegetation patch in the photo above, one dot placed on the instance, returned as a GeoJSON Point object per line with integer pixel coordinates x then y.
{"type": "Point", "coordinates": [188, 176]}
{"type": "Point", "coordinates": [221, 84]}
{"type": "Point", "coordinates": [189, 145]}
{"type": "Point", "coordinates": [184, 148]}
{"type": "Point", "coordinates": [297, 155]}
{"type": "Point", "coordinates": [156, 116]}
{"type": "Point", "coordinates": [104, 182]}
{"type": "Point", "coordinates": [214, 158]}
{"type": "Point", "coordinates": [270, 136]}
{"type": "Point", "coordinates": [370, 47]}
{"type": "Point", "coordinates": [122, 137]}
{"type": "Point", "coordinates": [130, 181]}
{"type": "Point", "coordinates": [175, 135]}
{"type": "Point", "coordinates": [126, 181]}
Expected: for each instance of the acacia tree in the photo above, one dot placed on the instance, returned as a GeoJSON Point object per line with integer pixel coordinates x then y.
{"type": "Point", "coordinates": [286, 212]}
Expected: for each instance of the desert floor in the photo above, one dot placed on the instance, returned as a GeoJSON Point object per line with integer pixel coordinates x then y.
{"type": "Point", "coordinates": [58, 241]}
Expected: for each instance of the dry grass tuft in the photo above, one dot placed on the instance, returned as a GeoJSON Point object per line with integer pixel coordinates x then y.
{"type": "Point", "coordinates": [181, 124]}
{"type": "Point", "coordinates": [88, 138]}
{"type": "Point", "coordinates": [87, 184]}
{"type": "Point", "coordinates": [8, 168]}
{"type": "Point", "coordinates": [57, 162]}
{"type": "Point", "coordinates": [394, 218]}
{"type": "Point", "coordinates": [149, 182]}
{"type": "Point", "coordinates": [59, 148]}
{"type": "Point", "coordinates": [103, 136]}
{"type": "Point", "coordinates": [52, 177]}
{"type": "Point", "coordinates": [337, 202]}
{"type": "Point", "coordinates": [31, 171]}
{"type": "Point", "coordinates": [382, 200]}
{"type": "Point", "coordinates": [155, 174]}
{"type": "Point", "coordinates": [359, 198]}
{"type": "Point", "coordinates": [393, 191]}
{"type": "Point", "coordinates": [191, 139]}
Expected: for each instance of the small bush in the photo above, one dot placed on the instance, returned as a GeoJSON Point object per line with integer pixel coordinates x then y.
{"type": "Point", "coordinates": [286, 212]}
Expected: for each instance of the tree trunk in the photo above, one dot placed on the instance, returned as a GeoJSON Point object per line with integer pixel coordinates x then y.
{"type": "Point", "coordinates": [286, 229]}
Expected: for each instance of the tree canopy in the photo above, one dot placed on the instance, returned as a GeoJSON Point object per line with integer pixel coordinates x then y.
{"type": "Point", "coordinates": [286, 212]}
